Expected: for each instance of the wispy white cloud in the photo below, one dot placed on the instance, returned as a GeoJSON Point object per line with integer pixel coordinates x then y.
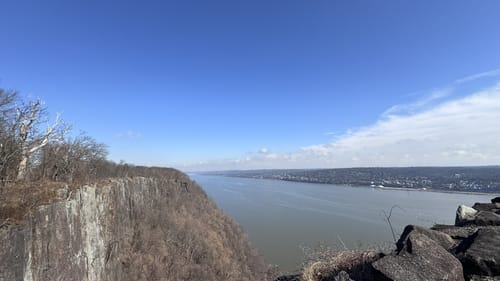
{"type": "Point", "coordinates": [433, 97]}
{"type": "Point", "coordinates": [264, 150]}
{"type": "Point", "coordinates": [491, 73]}
{"type": "Point", "coordinates": [463, 130]}
{"type": "Point", "coordinates": [414, 107]}
{"type": "Point", "coordinates": [459, 132]}
{"type": "Point", "coordinates": [130, 134]}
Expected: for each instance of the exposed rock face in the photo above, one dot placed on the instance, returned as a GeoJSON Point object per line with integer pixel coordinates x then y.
{"type": "Point", "coordinates": [11, 258]}
{"type": "Point", "coordinates": [443, 239]}
{"type": "Point", "coordinates": [485, 207]}
{"type": "Point", "coordinates": [487, 218]}
{"type": "Point", "coordinates": [464, 215]}
{"type": "Point", "coordinates": [480, 254]}
{"type": "Point", "coordinates": [129, 229]}
{"type": "Point", "coordinates": [421, 258]}
{"type": "Point", "coordinates": [456, 232]}
{"type": "Point", "coordinates": [484, 278]}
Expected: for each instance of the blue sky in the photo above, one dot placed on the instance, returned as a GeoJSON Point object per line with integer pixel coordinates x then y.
{"type": "Point", "coordinates": [262, 84]}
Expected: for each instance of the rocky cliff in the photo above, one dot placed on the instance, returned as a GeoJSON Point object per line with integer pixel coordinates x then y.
{"type": "Point", "coordinates": [158, 228]}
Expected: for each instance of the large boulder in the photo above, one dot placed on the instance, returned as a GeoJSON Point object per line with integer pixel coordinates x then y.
{"type": "Point", "coordinates": [485, 218]}
{"type": "Point", "coordinates": [485, 207]}
{"type": "Point", "coordinates": [465, 215]}
{"type": "Point", "coordinates": [495, 200]}
{"type": "Point", "coordinates": [421, 258]}
{"type": "Point", "coordinates": [456, 232]}
{"type": "Point", "coordinates": [12, 257]}
{"type": "Point", "coordinates": [480, 254]}
{"type": "Point", "coordinates": [443, 239]}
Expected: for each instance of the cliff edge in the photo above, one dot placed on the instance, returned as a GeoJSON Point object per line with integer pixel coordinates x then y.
{"type": "Point", "coordinates": [138, 228]}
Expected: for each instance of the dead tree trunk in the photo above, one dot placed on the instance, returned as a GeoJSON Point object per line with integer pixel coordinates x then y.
{"type": "Point", "coordinates": [28, 120]}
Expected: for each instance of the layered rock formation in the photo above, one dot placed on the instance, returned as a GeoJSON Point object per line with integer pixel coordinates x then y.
{"type": "Point", "coordinates": [128, 229]}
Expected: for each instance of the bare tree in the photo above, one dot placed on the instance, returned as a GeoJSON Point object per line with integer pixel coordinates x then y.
{"type": "Point", "coordinates": [9, 152]}
{"type": "Point", "coordinates": [32, 148]}
{"type": "Point", "coordinates": [388, 219]}
{"type": "Point", "coordinates": [29, 139]}
{"type": "Point", "coordinates": [76, 158]}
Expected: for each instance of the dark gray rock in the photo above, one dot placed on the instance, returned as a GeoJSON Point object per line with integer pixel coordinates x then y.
{"type": "Point", "coordinates": [343, 276]}
{"type": "Point", "coordinates": [456, 232]}
{"type": "Point", "coordinates": [495, 200]}
{"type": "Point", "coordinates": [12, 259]}
{"type": "Point", "coordinates": [443, 239]}
{"type": "Point", "coordinates": [421, 258]}
{"type": "Point", "coordinates": [485, 206]}
{"type": "Point", "coordinates": [295, 277]}
{"type": "Point", "coordinates": [484, 278]}
{"type": "Point", "coordinates": [485, 218]}
{"type": "Point", "coordinates": [480, 254]}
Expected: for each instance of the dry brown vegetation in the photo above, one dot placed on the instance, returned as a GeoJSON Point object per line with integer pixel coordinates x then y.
{"type": "Point", "coordinates": [326, 263]}
{"type": "Point", "coordinates": [188, 238]}
{"type": "Point", "coordinates": [18, 198]}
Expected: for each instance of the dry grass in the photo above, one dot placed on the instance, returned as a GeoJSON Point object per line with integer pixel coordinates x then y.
{"type": "Point", "coordinates": [326, 263]}
{"type": "Point", "coordinates": [182, 235]}
{"type": "Point", "coordinates": [18, 199]}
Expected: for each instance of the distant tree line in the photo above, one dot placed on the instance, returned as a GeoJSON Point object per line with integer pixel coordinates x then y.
{"type": "Point", "coordinates": [34, 149]}
{"type": "Point", "coordinates": [482, 178]}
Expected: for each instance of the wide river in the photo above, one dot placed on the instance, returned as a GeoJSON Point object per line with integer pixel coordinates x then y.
{"type": "Point", "coordinates": [281, 218]}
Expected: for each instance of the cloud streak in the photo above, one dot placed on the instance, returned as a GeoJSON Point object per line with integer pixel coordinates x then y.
{"type": "Point", "coordinates": [460, 131]}
{"type": "Point", "coordinates": [130, 134]}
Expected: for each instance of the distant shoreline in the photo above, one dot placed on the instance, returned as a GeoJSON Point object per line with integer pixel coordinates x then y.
{"type": "Point", "coordinates": [398, 188]}
{"type": "Point", "coordinates": [365, 186]}
{"type": "Point", "coordinates": [435, 190]}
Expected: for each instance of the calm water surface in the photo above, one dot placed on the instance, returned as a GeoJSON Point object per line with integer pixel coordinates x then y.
{"type": "Point", "coordinates": [280, 217]}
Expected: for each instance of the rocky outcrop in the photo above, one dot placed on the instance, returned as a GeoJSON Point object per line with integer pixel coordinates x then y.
{"type": "Point", "coordinates": [413, 261]}
{"type": "Point", "coordinates": [485, 218]}
{"type": "Point", "coordinates": [457, 233]}
{"type": "Point", "coordinates": [464, 215]}
{"type": "Point", "coordinates": [444, 240]}
{"type": "Point", "coordinates": [468, 250]}
{"type": "Point", "coordinates": [11, 253]}
{"type": "Point", "coordinates": [128, 229]}
{"type": "Point", "coordinates": [480, 253]}
{"type": "Point", "coordinates": [486, 206]}
{"type": "Point", "coordinates": [474, 241]}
